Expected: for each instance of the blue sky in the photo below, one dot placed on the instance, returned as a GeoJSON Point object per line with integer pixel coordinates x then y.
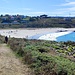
{"type": "Point", "coordinates": [38, 7]}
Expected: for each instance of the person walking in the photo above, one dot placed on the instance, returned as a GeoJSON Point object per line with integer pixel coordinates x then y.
{"type": "Point", "coordinates": [6, 39]}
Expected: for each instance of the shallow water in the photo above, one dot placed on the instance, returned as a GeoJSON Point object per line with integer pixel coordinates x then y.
{"type": "Point", "coordinates": [38, 35]}
{"type": "Point", "coordinates": [67, 37]}
{"type": "Point", "coordinates": [56, 36]}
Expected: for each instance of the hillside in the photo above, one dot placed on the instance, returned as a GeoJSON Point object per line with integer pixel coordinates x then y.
{"type": "Point", "coordinates": [42, 21]}
{"type": "Point", "coordinates": [46, 57]}
{"type": "Point", "coordinates": [43, 57]}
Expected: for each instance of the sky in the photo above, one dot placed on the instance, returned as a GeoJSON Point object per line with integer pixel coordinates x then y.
{"type": "Point", "coordinates": [38, 7]}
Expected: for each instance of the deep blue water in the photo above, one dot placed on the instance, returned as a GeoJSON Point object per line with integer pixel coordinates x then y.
{"type": "Point", "coordinates": [68, 37]}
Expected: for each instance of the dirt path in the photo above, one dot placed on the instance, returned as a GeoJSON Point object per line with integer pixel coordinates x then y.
{"type": "Point", "coordinates": [9, 64]}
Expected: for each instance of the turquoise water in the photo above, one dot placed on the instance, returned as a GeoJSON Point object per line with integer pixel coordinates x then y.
{"type": "Point", "coordinates": [67, 37]}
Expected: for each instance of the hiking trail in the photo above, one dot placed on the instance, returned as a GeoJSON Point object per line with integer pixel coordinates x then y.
{"type": "Point", "coordinates": [10, 64]}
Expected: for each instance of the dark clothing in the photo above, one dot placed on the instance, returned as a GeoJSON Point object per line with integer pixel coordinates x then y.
{"type": "Point", "coordinates": [6, 39]}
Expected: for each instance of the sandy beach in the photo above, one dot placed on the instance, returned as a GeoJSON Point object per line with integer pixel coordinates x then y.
{"type": "Point", "coordinates": [53, 36]}
{"type": "Point", "coordinates": [28, 32]}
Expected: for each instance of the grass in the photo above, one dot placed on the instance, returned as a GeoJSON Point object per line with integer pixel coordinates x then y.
{"type": "Point", "coordinates": [38, 55]}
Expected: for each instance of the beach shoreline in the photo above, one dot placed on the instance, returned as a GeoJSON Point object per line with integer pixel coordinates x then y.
{"type": "Point", "coordinates": [53, 36]}
{"type": "Point", "coordinates": [28, 32]}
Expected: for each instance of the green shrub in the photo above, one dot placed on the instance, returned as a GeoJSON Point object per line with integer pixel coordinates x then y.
{"type": "Point", "coordinates": [2, 39]}
{"type": "Point", "coordinates": [36, 54]}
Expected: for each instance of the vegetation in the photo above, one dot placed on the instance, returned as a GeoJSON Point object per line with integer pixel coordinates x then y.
{"type": "Point", "coordinates": [42, 21]}
{"type": "Point", "coordinates": [2, 39]}
{"type": "Point", "coordinates": [46, 57]}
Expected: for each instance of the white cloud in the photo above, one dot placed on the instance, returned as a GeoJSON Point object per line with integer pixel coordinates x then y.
{"type": "Point", "coordinates": [68, 4]}
{"type": "Point", "coordinates": [69, 0]}
{"type": "Point", "coordinates": [54, 13]}
{"type": "Point", "coordinates": [66, 11]}
{"type": "Point", "coordinates": [24, 13]}
{"type": "Point", "coordinates": [68, 8]}
{"type": "Point", "coordinates": [71, 9]}
{"type": "Point", "coordinates": [37, 13]}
